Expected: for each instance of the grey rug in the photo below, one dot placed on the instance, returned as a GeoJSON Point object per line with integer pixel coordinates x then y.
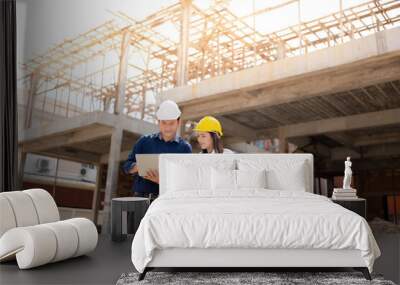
{"type": "Point", "coordinates": [225, 278]}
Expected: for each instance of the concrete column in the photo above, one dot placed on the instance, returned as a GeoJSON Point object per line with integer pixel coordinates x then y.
{"type": "Point", "coordinates": [30, 105]}
{"type": "Point", "coordinates": [21, 166]}
{"type": "Point", "coordinates": [96, 194]}
{"type": "Point", "coordinates": [181, 129]}
{"type": "Point", "coordinates": [112, 177]}
{"type": "Point", "coordinates": [143, 107]}
{"type": "Point", "coordinates": [281, 50]}
{"type": "Point", "coordinates": [122, 74]}
{"type": "Point", "coordinates": [283, 142]}
{"type": "Point", "coordinates": [330, 186]}
{"type": "Point", "coordinates": [300, 33]}
{"type": "Point", "coordinates": [144, 90]}
{"type": "Point", "coordinates": [342, 29]}
{"type": "Point", "coordinates": [182, 65]}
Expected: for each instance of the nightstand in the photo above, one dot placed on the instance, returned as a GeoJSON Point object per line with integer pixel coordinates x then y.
{"type": "Point", "coordinates": [121, 225]}
{"type": "Point", "coordinates": [357, 205]}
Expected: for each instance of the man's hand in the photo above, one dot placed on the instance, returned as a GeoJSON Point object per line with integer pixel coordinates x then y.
{"type": "Point", "coordinates": [134, 170]}
{"type": "Point", "coordinates": [152, 175]}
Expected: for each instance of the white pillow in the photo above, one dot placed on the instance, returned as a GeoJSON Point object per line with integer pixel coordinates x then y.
{"type": "Point", "coordinates": [282, 174]}
{"type": "Point", "coordinates": [287, 176]}
{"type": "Point", "coordinates": [182, 177]}
{"type": "Point", "coordinates": [203, 160]}
{"type": "Point", "coordinates": [228, 179]}
{"type": "Point", "coordinates": [251, 178]}
{"type": "Point", "coordinates": [223, 179]}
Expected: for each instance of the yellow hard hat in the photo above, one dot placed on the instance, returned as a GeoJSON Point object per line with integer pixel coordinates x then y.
{"type": "Point", "coordinates": [209, 124]}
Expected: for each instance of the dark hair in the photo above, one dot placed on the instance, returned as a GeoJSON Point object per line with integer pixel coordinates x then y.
{"type": "Point", "coordinates": [217, 143]}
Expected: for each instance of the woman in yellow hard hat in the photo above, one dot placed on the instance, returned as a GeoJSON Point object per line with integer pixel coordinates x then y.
{"type": "Point", "coordinates": [209, 133]}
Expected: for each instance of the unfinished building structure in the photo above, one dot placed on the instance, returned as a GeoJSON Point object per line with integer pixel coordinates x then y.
{"type": "Point", "coordinates": [329, 85]}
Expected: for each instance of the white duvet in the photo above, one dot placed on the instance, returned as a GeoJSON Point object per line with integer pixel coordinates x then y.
{"type": "Point", "coordinates": [256, 218]}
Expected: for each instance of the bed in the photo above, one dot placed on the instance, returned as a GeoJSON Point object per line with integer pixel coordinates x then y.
{"type": "Point", "coordinates": [245, 211]}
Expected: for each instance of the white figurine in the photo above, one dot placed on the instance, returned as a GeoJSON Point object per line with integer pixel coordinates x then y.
{"type": "Point", "coordinates": [347, 174]}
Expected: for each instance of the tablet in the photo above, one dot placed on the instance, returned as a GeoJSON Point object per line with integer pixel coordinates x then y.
{"type": "Point", "coordinates": [146, 162]}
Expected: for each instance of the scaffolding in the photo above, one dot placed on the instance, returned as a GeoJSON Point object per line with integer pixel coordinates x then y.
{"type": "Point", "coordinates": [123, 65]}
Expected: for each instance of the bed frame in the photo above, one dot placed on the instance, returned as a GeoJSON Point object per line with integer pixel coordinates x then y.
{"type": "Point", "coordinates": [241, 259]}
{"type": "Point", "coordinates": [250, 258]}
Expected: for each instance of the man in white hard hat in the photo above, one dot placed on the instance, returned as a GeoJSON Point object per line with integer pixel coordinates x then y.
{"type": "Point", "coordinates": [165, 141]}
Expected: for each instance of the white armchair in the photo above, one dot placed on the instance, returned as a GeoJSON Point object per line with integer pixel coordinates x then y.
{"type": "Point", "coordinates": [31, 230]}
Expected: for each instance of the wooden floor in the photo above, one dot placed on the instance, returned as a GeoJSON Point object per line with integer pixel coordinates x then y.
{"type": "Point", "coordinates": [103, 266]}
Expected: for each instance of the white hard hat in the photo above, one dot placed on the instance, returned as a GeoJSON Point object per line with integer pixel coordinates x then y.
{"type": "Point", "coordinates": [168, 110]}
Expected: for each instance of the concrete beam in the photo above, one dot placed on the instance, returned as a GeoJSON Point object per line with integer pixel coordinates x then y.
{"type": "Point", "coordinates": [244, 148]}
{"type": "Point", "coordinates": [344, 140]}
{"type": "Point", "coordinates": [77, 155]}
{"type": "Point", "coordinates": [61, 126]}
{"type": "Point", "coordinates": [295, 89]}
{"type": "Point", "coordinates": [354, 122]}
{"type": "Point", "coordinates": [318, 150]}
{"type": "Point", "coordinates": [340, 153]}
{"type": "Point", "coordinates": [384, 138]}
{"type": "Point", "coordinates": [336, 167]}
{"type": "Point", "coordinates": [351, 65]}
{"type": "Point", "coordinates": [300, 142]}
{"type": "Point", "coordinates": [85, 134]}
{"type": "Point", "coordinates": [235, 129]}
{"type": "Point", "coordinates": [132, 125]}
{"type": "Point", "coordinates": [123, 156]}
{"type": "Point", "coordinates": [341, 138]}
{"type": "Point", "coordinates": [368, 152]}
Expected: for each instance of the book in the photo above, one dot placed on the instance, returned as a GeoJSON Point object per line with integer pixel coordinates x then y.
{"type": "Point", "coordinates": [341, 190]}
{"type": "Point", "coordinates": [345, 194]}
{"type": "Point", "coordinates": [344, 198]}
